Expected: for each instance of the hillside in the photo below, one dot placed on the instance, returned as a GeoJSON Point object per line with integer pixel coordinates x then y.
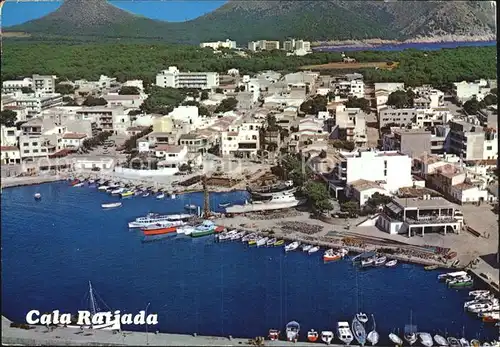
{"type": "Point", "coordinates": [252, 20]}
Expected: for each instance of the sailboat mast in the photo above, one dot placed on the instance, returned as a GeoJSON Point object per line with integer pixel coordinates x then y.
{"type": "Point", "coordinates": [92, 300]}
{"type": "Point", "coordinates": [206, 202]}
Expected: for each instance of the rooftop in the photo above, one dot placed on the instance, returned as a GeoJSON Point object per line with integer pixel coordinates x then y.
{"type": "Point", "coordinates": [418, 203]}
{"type": "Point", "coordinates": [74, 136]}
{"type": "Point", "coordinates": [463, 186]}
{"type": "Point", "coordinates": [169, 148]}
{"type": "Point", "coordinates": [9, 148]}
{"type": "Point", "coordinates": [361, 185]}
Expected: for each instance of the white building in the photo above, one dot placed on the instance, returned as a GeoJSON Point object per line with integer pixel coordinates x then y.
{"type": "Point", "coordinates": [355, 87]}
{"type": "Point", "coordinates": [263, 45]}
{"type": "Point", "coordinates": [463, 91]}
{"type": "Point", "coordinates": [44, 83]}
{"type": "Point", "coordinates": [89, 163]}
{"type": "Point", "coordinates": [11, 86]}
{"type": "Point", "coordinates": [9, 135]}
{"type": "Point", "coordinates": [173, 78]}
{"type": "Point", "coordinates": [10, 155]}
{"type": "Point", "coordinates": [73, 140]}
{"type": "Point", "coordinates": [37, 102]}
{"type": "Point", "coordinates": [352, 121]}
{"type": "Point", "coordinates": [241, 140]}
{"type": "Point", "coordinates": [389, 86]}
{"type": "Point", "coordinates": [219, 44]}
{"type": "Point", "coordinates": [363, 190]}
{"type": "Point", "coordinates": [434, 96]}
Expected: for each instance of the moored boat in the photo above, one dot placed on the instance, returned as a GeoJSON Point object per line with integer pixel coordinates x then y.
{"type": "Point", "coordinates": [117, 191]}
{"type": "Point", "coordinates": [344, 332]}
{"type": "Point", "coordinates": [306, 247]}
{"type": "Point", "coordinates": [102, 188]}
{"type": "Point", "coordinates": [452, 275]}
{"type": "Point", "coordinates": [160, 231]}
{"type": "Point", "coordinates": [425, 339]}
{"type": "Point", "coordinates": [80, 184]}
{"type": "Point", "coordinates": [441, 341]}
{"type": "Point", "coordinates": [380, 261]}
{"type": "Point", "coordinates": [248, 237]}
{"type": "Point", "coordinates": [292, 331]}
{"type": "Point", "coordinates": [475, 343]}
{"type": "Point", "coordinates": [206, 228]}
{"type": "Point", "coordinates": [313, 249]}
{"type": "Point", "coordinates": [253, 240]}
{"type": "Point", "coordinates": [238, 236]}
{"type": "Point", "coordinates": [190, 207]}
{"type": "Point", "coordinates": [292, 246]}
{"type": "Point", "coordinates": [395, 339]}
{"type": "Point", "coordinates": [127, 194]}
{"type": "Point", "coordinates": [431, 267]}
{"type": "Point", "coordinates": [476, 293]}
{"type": "Point", "coordinates": [327, 336]}
{"type": "Point", "coordinates": [312, 335]}
{"type": "Point", "coordinates": [359, 332]}
{"type": "Point", "coordinates": [145, 195]}
{"type": "Point", "coordinates": [331, 255]}
{"type": "Point", "coordinates": [271, 242]}
{"type": "Point", "coordinates": [491, 317]}
{"type": "Point", "coordinates": [362, 317]}
{"type": "Point", "coordinates": [279, 243]}
{"type": "Point", "coordinates": [154, 218]}
{"type": "Point", "coordinates": [464, 342]}
{"type": "Point", "coordinates": [262, 241]}
{"type": "Point", "coordinates": [453, 342]}
{"type": "Point", "coordinates": [410, 334]}
{"type": "Point", "coordinates": [274, 334]}
{"type": "Point", "coordinates": [391, 263]}
{"type": "Point", "coordinates": [160, 196]}
{"type": "Point", "coordinates": [111, 205]}
{"type": "Point", "coordinates": [367, 262]}
{"type": "Point", "coordinates": [37, 196]}
{"type": "Point", "coordinates": [373, 335]}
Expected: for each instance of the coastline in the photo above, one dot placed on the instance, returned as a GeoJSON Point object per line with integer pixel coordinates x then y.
{"type": "Point", "coordinates": [12, 182]}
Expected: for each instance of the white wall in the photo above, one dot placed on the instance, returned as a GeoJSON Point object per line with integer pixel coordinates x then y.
{"type": "Point", "coordinates": [146, 173]}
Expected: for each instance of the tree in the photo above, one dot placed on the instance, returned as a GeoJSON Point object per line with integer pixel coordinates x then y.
{"type": "Point", "coordinates": [494, 91]}
{"type": "Point", "coordinates": [362, 103]}
{"type": "Point", "coordinates": [472, 106]}
{"type": "Point", "coordinates": [242, 88]}
{"type": "Point", "coordinates": [219, 90]}
{"type": "Point", "coordinates": [185, 168]}
{"type": "Point", "coordinates": [322, 154]}
{"type": "Point", "coordinates": [162, 100]}
{"type": "Point", "coordinates": [271, 123]}
{"type": "Point", "coordinates": [378, 199]}
{"type": "Point", "coordinates": [92, 101]}
{"type": "Point", "coordinates": [314, 105]}
{"type": "Point", "coordinates": [129, 90]}
{"type": "Point", "coordinates": [226, 105]}
{"type": "Point", "coordinates": [204, 95]}
{"type": "Point", "coordinates": [400, 99]}
{"type": "Point", "coordinates": [64, 88]}
{"type": "Point", "coordinates": [8, 118]}
{"type": "Point", "coordinates": [490, 99]}
{"type": "Point", "coordinates": [350, 207]}
{"type": "Point", "coordinates": [318, 196]}
{"type": "Point", "coordinates": [341, 144]}
{"type": "Point", "coordinates": [203, 111]}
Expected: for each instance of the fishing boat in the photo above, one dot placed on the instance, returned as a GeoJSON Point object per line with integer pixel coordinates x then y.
{"type": "Point", "coordinates": [373, 335]}
{"type": "Point", "coordinates": [78, 184]}
{"type": "Point", "coordinates": [425, 339]}
{"type": "Point", "coordinates": [279, 243]}
{"type": "Point", "coordinates": [206, 228]}
{"type": "Point", "coordinates": [127, 194]}
{"type": "Point", "coordinates": [117, 191]}
{"type": "Point", "coordinates": [312, 335]}
{"type": "Point", "coordinates": [306, 247]}
{"type": "Point", "coordinates": [395, 339]}
{"type": "Point", "coordinates": [344, 332]}
{"type": "Point", "coordinates": [271, 242]}
{"type": "Point", "coordinates": [292, 246]}
{"type": "Point", "coordinates": [362, 317]}
{"type": "Point", "coordinates": [441, 341]}
{"type": "Point", "coordinates": [161, 196]}
{"type": "Point", "coordinates": [380, 261]}
{"type": "Point", "coordinates": [160, 231]}
{"type": "Point", "coordinates": [74, 182]}
{"type": "Point", "coordinates": [94, 309]}
{"type": "Point", "coordinates": [238, 236]}
{"type": "Point", "coordinates": [145, 194]}
{"type": "Point", "coordinates": [491, 317]}
{"type": "Point", "coordinates": [190, 207]}
{"type": "Point", "coordinates": [359, 331]}
{"type": "Point", "coordinates": [476, 293]}
{"type": "Point", "coordinates": [453, 342]}
{"type": "Point", "coordinates": [451, 275]}
{"type": "Point", "coordinates": [475, 343]}
{"type": "Point", "coordinates": [153, 218]}
{"type": "Point", "coordinates": [247, 237]}
{"type": "Point", "coordinates": [464, 342]}
{"type": "Point", "coordinates": [331, 255]}
{"type": "Point", "coordinates": [274, 334]}
{"type": "Point", "coordinates": [327, 336]}
{"type": "Point", "coordinates": [391, 263]}
{"type": "Point", "coordinates": [37, 196]}
{"type": "Point", "coordinates": [262, 241]}
{"type": "Point", "coordinates": [225, 204]}
{"type": "Point", "coordinates": [313, 249]}
{"type": "Point", "coordinates": [102, 188]}
{"type": "Point", "coordinates": [367, 262]}
{"type": "Point", "coordinates": [112, 205]}
{"type": "Point", "coordinates": [223, 237]}
{"type": "Point", "coordinates": [473, 302]}
{"type": "Point", "coordinates": [365, 255]}
{"type": "Point", "coordinates": [292, 331]}
{"type": "Point", "coordinates": [430, 267]}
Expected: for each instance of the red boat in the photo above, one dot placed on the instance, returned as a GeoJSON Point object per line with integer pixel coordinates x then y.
{"type": "Point", "coordinates": [312, 335]}
{"type": "Point", "coordinates": [72, 183]}
{"type": "Point", "coordinates": [219, 229]}
{"type": "Point", "coordinates": [274, 334]}
{"type": "Point", "coordinates": [160, 231]}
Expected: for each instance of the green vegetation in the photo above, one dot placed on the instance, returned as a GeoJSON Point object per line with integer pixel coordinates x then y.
{"type": "Point", "coordinates": [314, 105]}
{"type": "Point", "coordinates": [129, 91]}
{"type": "Point", "coordinates": [92, 101]}
{"type": "Point", "coordinates": [401, 99]}
{"type": "Point", "coordinates": [64, 89]}
{"type": "Point", "coordinates": [472, 106]}
{"type": "Point", "coordinates": [318, 196]}
{"type": "Point", "coordinates": [95, 141]}
{"type": "Point", "coordinates": [227, 105]}
{"type": "Point", "coordinates": [163, 100]}
{"type": "Point", "coordinates": [362, 103]}
{"type": "Point", "coordinates": [127, 61]}
{"type": "Point", "coordinates": [8, 118]}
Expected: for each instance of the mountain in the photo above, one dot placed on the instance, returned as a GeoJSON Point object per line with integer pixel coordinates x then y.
{"type": "Point", "coordinates": [245, 21]}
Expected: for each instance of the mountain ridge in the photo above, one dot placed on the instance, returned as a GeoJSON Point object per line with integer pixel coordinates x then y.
{"type": "Point", "coordinates": [253, 20]}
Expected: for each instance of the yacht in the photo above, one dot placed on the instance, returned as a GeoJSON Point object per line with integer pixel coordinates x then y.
{"type": "Point", "coordinates": [153, 218]}
{"type": "Point", "coordinates": [344, 332]}
{"type": "Point", "coordinates": [425, 339]}
{"type": "Point", "coordinates": [327, 336]}
{"type": "Point", "coordinates": [292, 331]}
{"type": "Point", "coordinates": [292, 246]}
{"type": "Point", "coordinates": [277, 201]}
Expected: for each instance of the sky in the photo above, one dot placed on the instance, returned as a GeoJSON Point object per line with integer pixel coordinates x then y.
{"type": "Point", "coordinates": [14, 12]}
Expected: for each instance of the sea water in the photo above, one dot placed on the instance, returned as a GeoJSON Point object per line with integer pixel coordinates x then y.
{"type": "Point", "coordinates": [53, 247]}
{"type": "Point", "coordinates": [421, 46]}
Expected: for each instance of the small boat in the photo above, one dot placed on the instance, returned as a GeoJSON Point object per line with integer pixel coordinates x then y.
{"type": "Point", "coordinates": [344, 332]}
{"type": "Point", "coordinates": [160, 196]}
{"type": "Point", "coordinates": [102, 188]}
{"type": "Point", "coordinates": [380, 261]}
{"type": "Point", "coordinates": [491, 317]}
{"type": "Point", "coordinates": [456, 263]}
{"type": "Point", "coordinates": [441, 341]}
{"type": "Point", "coordinates": [362, 317]}
{"type": "Point", "coordinates": [262, 241]}
{"type": "Point", "coordinates": [145, 195]}
{"type": "Point", "coordinates": [160, 231]}
{"type": "Point", "coordinates": [222, 237]}
{"type": "Point", "coordinates": [476, 293]}
{"type": "Point", "coordinates": [486, 344]}
{"type": "Point", "coordinates": [306, 247]}
{"type": "Point", "coordinates": [279, 243]}
{"type": "Point", "coordinates": [225, 204]}
{"type": "Point", "coordinates": [425, 339]}
{"type": "Point", "coordinates": [466, 282]}
{"type": "Point", "coordinates": [464, 342]}
{"type": "Point", "coordinates": [359, 331]}
{"type": "Point", "coordinates": [292, 331]}
{"type": "Point", "coordinates": [117, 191]}
{"type": "Point", "coordinates": [248, 237]}
{"type": "Point", "coordinates": [313, 250]}
{"type": "Point", "coordinates": [373, 335]}
{"type": "Point", "coordinates": [274, 334]}
{"type": "Point", "coordinates": [127, 194]}
{"type": "Point", "coordinates": [327, 336]}
{"type": "Point", "coordinates": [37, 196]}
{"type": "Point", "coordinates": [452, 275]}
{"type": "Point", "coordinates": [111, 205]}
{"type": "Point", "coordinates": [74, 183]}
{"type": "Point", "coordinates": [190, 207]}
{"type": "Point", "coordinates": [367, 262]}
{"type": "Point", "coordinates": [292, 246]}
{"type": "Point", "coordinates": [395, 339]}
{"type": "Point", "coordinates": [253, 241]}
{"type": "Point", "coordinates": [453, 342]}
{"type": "Point", "coordinates": [391, 263]}
{"type": "Point", "coordinates": [138, 192]}
{"type": "Point", "coordinates": [238, 236]}
{"type": "Point", "coordinates": [331, 255]}
{"type": "Point", "coordinates": [312, 335]}
{"type": "Point", "coordinates": [430, 267]}
{"type": "Point", "coordinates": [271, 242]}
{"type": "Point", "coordinates": [410, 333]}
{"type": "Point", "coordinates": [78, 184]}
{"type": "Point", "coordinates": [475, 343]}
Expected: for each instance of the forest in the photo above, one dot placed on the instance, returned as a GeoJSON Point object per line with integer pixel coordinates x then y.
{"type": "Point", "coordinates": [143, 61]}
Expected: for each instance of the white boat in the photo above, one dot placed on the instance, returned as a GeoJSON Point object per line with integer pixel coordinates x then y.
{"type": "Point", "coordinates": [313, 249]}
{"type": "Point", "coordinates": [292, 246]}
{"type": "Point", "coordinates": [327, 336]}
{"type": "Point", "coordinates": [476, 293]}
{"type": "Point", "coordinates": [145, 195]}
{"type": "Point", "coordinates": [362, 317]}
{"type": "Point", "coordinates": [118, 191]}
{"type": "Point", "coordinates": [452, 275]}
{"type": "Point", "coordinates": [292, 331]}
{"type": "Point", "coordinates": [473, 302]}
{"type": "Point", "coordinates": [238, 236]}
{"type": "Point", "coordinates": [248, 237]}
{"type": "Point", "coordinates": [102, 188]}
{"type": "Point", "coordinates": [79, 184]}
{"type": "Point", "coordinates": [190, 207]}
{"type": "Point", "coordinates": [111, 205]}
{"type": "Point", "coordinates": [441, 341]}
{"type": "Point", "coordinates": [187, 230]}
{"type": "Point", "coordinates": [37, 196]}
{"type": "Point", "coordinates": [359, 332]}
{"type": "Point", "coordinates": [160, 196]}
{"type": "Point", "coordinates": [271, 241]}
{"type": "Point", "coordinates": [391, 263]}
{"type": "Point", "coordinates": [306, 247]}
{"type": "Point", "coordinates": [262, 241]}
{"type": "Point", "coordinates": [367, 262]}
{"type": "Point", "coordinates": [373, 335]}
{"type": "Point", "coordinates": [425, 339]}
{"type": "Point", "coordinates": [277, 201]}
{"type": "Point", "coordinates": [395, 339]}
{"type": "Point", "coordinates": [223, 237]}
{"type": "Point", "coordinates": [344, 332]}
{"type": "Point", "coordinates": [464, 342]}
{"type": "Point", "coordinates": [380, 261]}
{"type": "Point", "coordinates": [153, 218]}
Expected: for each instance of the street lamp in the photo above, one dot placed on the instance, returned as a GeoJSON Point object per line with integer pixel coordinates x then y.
{"type": "Point", "coordinates": [146, 315]}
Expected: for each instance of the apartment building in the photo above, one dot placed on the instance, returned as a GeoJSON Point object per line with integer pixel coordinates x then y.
{"type": "Point", "coordinates": [463, 91]}
{"type": "Point", "coordinates": [219, 44]}
{"type": "Point", "coordinates": [472, 141]}
{"type": "Point", "coordinates": [73, 140]}
{"type": "Point", "coordinates": [353, 88]}
{"type": "Point", "coordinates": [396, 116]}
{"type": "Point", "coordinates": [9, 135]}
{"type": "Point", "coordinates": [412, 142]}
{"type": "Point", "coordinates": [296, 45]}
{"type": "Point", "coordinates": [428, 97]}
{"type": "Point", "coordinates": [196, 142]}
{"type": "Point", "coordinates": [242, 140]}
{"type": "Point", "coordinates": [102, 117]}
{"type": "Point", "coordinates": [350, 125]}
{"type": "Point", "coordinates": [263, 45]}
{"type": "Point", "coordinates": [40, 138]}
{"type": "Point", "coordinates": [44, 83]}
{"type": "Point", "coordinates": [37, 102]}
{"type": "Point", "coordinates": [11, 86]}
{"type": "Point", "coordinates": [173, 78]}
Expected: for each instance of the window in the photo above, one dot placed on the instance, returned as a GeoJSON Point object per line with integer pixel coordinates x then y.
{"type": "Point", "coordinates": [34, 144]}
{"type": "Point", "coordinates": [26, 151]}
{"type": "Point", "coordinates": [35, 151]}
{"type": "Point", "coordinates": [488, 148]}
{"type": "Point", "coordinates": [25, 144]}
{"type": "Point", "coordinates": [43, 150]}
{"type": "Point", "coordinates": [385, 172]}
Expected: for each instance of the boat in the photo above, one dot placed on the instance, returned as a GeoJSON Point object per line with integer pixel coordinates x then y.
{"type": "Point", "coordinates": [391, 263]}
{"type": "Point", "coordinates": [277, 202]}
{"type": "Point", "coordinates": [464, 342]}
{"type": "Point", "coordinates": [410, 332]}
{"type": "Point", "coordinates": [102, 188]}
{"type": "Point", "coordinates": [253, 241]}
{"type": "Point", "coordinates": [306, 247]}
{"type": "Point", "coordinates": [94, 309]}
{"type": "Point", "coordinates": [491, 317]}
{"type": "Point", "coordinates": [475, 343]}
{"type": "Point", "coordinates": [185, 230]}
{"type": "Point", "coordinates": [137, 192]}
{"type": "Point", "coordinates": [206, 228]}
{"type": "Point", "coordinates": [312, 335]}
{"type": "Point", "coordinates": [367, 262]}
{"type": "Point", "coordinates": [160, 196]}
{"type": "Point", "coordinates": [145, 194]}
{"type": "Point", "coordinates": [441, 341]}
{"type": "Point", "coordinates": [80, 184]}
{"type": "Point", "coordinates": [37, 196]}
{"type": "Point", "coordinates": [453, 342]}
{"type": "Point", "coordinates": [473, 302]}
{"type": "Point", "coordinates": [292, 246]}
{"type": "Point", "coordinates": [279, 243]}
{"type": "Point", "coordinates": [395, 339]}
{"type": "Point", "coordinates": [225, 204]}
{"type": "Point", "coordinates": [190, 207]}
{"type": "Point", "coordinates": [160, 231]}
{"type": "Point", "coordinates": [117, 191]}
{"type": "Point", "coordinates": [238, 236]}
{"type": "Point", "coordinates": [331, 255]}
{"type": "Point", "coordinates": [222, 237]}
{"type": "Point", "coordinates": [476, 293]}
{"type": "Point", "coordinates": [274, 334]}
{"type": "Point", "coordinates": [327, 336]}
{"type": "Point", "coordinates": [425, 339]}
{"type": "Point", "coordinates": [344, 332]}
{"type": "Point", "coordinates": [292, 331]}
{"type": "Point", "coordinates": [364, 255]}
{"type": "Point", "coordinates": [476, 307]}
{"type": "Point", "coordinates": [127, 194]}
{"type": "Point", "coordinates": [271, 189]}
{"type": "Point", "coordinates": [313, 249]}
{"type": "Point", "coordinates": [262, 241]}
{"type": "Point", "coordinates": [373, 335]}
{"type": "Point", "coordinates": [248, 237]}
{"type": "Point", "coordinates": [486, 344]}
{"type": "Point", "coordinates": [154, 218]}
{"type": "Point", "coordinates": [362, 317]}
{"type": "Point", "coordinates": [163, 224]}
{"type": "Point", "coordinates": [359, 331]}
{"type": "Point", "coordinates": [431, 267]}
{"type": "Point", "coordinates": [465, 282]}
{"type": "Point", "coordinates": [380, 261]}
{"type": "Point", "coordinates": [74, 182]}
{"type": "Point", "coordinates": [111, 205]}
{"type": "Point", "coordinates": [271, 242]}
{"type": "Point", "coordinates": [450, 275]}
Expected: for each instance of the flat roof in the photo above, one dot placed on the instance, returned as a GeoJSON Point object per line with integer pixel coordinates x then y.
{"type": "Point", "coordinates": [437, 202]}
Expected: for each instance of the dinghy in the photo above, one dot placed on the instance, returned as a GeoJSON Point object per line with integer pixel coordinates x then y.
{"type": "Point", "coordinates": [441, 341]}
{"type": "Point", "coordinates": [112, 205]}
{"type": "Point", "coordinates": [362, 317]}
{"type": "Point", "coordinates": [292, 331]}
{"type": "Point", "coordinates": [37, 196]}
{"type": "Point", "coordinates": [425, 339]}
{"type": "Point", "coordinates": [313, 249]}
{"type": "Point", "coordinates": [274, 334]}
{"type": "Point", "coordinates": [359, 332]}
{"type": "Point", "coordinates": [453, 342]}
{"type": "Point", "coordinates": [327, 337]}
{"type": "Point", "coordinates": [391, 263]}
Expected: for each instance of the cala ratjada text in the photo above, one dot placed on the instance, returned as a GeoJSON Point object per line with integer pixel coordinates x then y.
{"type": "Point", "coordinates": [87, 318]}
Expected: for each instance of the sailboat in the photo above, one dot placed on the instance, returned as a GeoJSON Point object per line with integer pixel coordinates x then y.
{"type": "Point", "coordinates": [94, 308]}
{"type": "Point", "coordinates": [425, 339]}
{"type": "Point", "coordinates": [359, 332]}
{"type": "Point", "coordinates": [410, 333]}
{"type": "Point", "coordinates": [373, 336]}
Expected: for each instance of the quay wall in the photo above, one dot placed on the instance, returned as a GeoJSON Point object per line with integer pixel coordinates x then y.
{"type": "Point", "coordinates": [28, 181]}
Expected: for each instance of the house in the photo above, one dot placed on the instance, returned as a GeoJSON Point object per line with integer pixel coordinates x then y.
{"type": "Point", "coordinates": [9, 136]}
{"type": "Point", "coordinates": [135, 130]}
{"type": "Point", "coordinates": [241, 140]}
{"type": "Point", "coordinates": [463, 91]}
{"type": "Point", "coordinates": [196, 142]}
{"type": "Point", "coordinates": [91, 162]}
{"type": "Point", "coordinates": [171, 152]}
{"type": "Point", "coordinates": [37, 102]}
{"type": "Point", "coordinates": [73, 140]}
{"type": "Point", "coordinates": [472, 141]}
{"type": "Point", "coordinates": [362, 190]}
{"type": "Point", "coordinates": [350, 125]}
{"type": "Point", "coordinates": [40, 138]}
{"type": "Point", "coordinates": [10, 155]}
{"type": "Point", "coordinates": [123, 100]}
